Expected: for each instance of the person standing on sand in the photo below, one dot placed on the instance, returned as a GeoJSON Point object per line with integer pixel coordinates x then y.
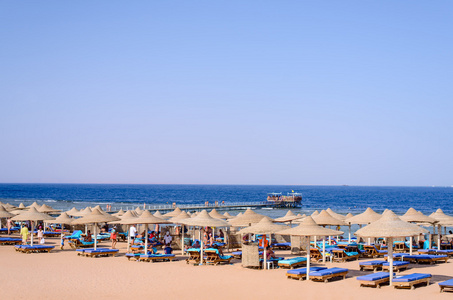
{"type": "Point", "coordinates": [9, 225]}
{"type": "Point", "coordinates": [113, 237]}
{"type": "Point", "coordinates": [24, 233]}
{"type": "Point", "coordinates": [132, 233]}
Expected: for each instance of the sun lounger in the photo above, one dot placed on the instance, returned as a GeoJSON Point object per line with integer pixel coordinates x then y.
{"type": "Point", "coordinates": [397, 266]}
{"type": "Point", "coordinates": [301, 273]}
{"type": "Point", "coordinates": [371, 265]}
{"type": "Point", "coordinates": [410, 280]}
{"type": "Point", "coordinates": [77, 234]}
{"type": "Point", "coordinates": [325, 275]}
{"type": "Point", "coordinates": [10, 241]}
{"type": "Point", "coordinates": [445, 252]}
{"type": "Point", "coordinates": [133, 256]}
{"type": "Point", "coordinates": [397, 256]}
{"type": "Point", "coordinates": [446, 285]}
{"type": "Point", "coordinates": [213, 257]}
{"type": "Point", "coordinates": [5, 230]}
{"type": "Point", "coordinates": [194, 256]}
{"type": "Point", "coordinates": [33, 249]}
{"type": "Point", "coordinates": [78, 243]}
{"type": "Point", "coordinates": [315, 254]}
{"type": "Point", "coordinates": [292, 262]}
{"type": "Point", "coordinates": [431, 259]}
{"type": "Point", "coordinates": [156, 257]}
{"type": "Point", "coordinates": [341, 255]}
{"type": "Point", "coordinates": [374, 279]}
{"type": "Point", "coordinates": [372, 251]}
{"type": "Point", "coordinates": [281, 246]}
{"type": "Point", "coordinates": [97, 253]}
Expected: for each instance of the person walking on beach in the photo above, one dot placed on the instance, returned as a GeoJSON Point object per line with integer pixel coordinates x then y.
{"type": "Point", "coordinates": [132, 233]}
{"type": "Point", "coordinates": [113, 237]}
{"type": "Point", "coordinates": [41, 235]}
{"type": "Point", "coordinates": [9, 225]}
{"type": "Point", "coordinates": [24, 233]}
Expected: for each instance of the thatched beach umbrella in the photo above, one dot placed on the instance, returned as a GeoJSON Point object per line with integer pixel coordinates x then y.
{"type": "Point", "coordinates": [119, 213]}
{"type": "Point", "coordinates": [288, 217]}
{"type": "Point", "coordinates": [248, 218]}
{"type": "Point", "coordinates": [62, 219]}
{"type": "Point", "coordinates": [203, 219]}
{"type": "Point", "coordinates": [125, 218]}
{"type": "Point", "coordinates": [417, 217]}
{"type": "Point", "coordinates": [83, 212]}
{"type": "Point", "coordinates": [307, 229]}
{"type": "Point", "coordinates": [335, 215]}
{"type": "Point", "coordinates": [146, 218]}
{"type": "Point", "coordinates": [349, 215]}
{"type": "Point", "coordinates": [173, 213]}
{"type": "Point", "coordinates": [72, 212]}
{"type": "Point", "coordinates": [35, 205]}
{"type": "Point", "coordinates": [443, 220]}
{"type": "Point", "coordinates": [390, 226]}
{"type": "Point", "coordinates": [367, 217]}
{"type": "Point", "coordinates": [4, 214]}
{"type": "Point", "coordinates": [265, 226]}
{"type": "Point", "coordinates": [176, 220]}
{"type": "Point", "coordinates": [159, 215]}
{"type": "Point", "coordinates": [315, 213]}
{"type": "Point", "coordinates": [32, 215]}
{"type": "Point", "coordinates": [227, 215]}
{"type": "Point", "coordinates": [21, 206]}
{"type": "Point", "coordinates": [95, 217]}
{"type": "Point", "coordinates": [325, 219]}
{"type": "Point", "coordinates": [215, 214]}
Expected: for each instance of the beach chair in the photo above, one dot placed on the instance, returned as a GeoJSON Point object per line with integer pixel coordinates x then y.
{"type": "Point", "coordinates": [194, 256]}
{"type": "Point", "coordinates": [99, 252]}
{"type": "Point", "coordinates": [301, 273]}
{"type": "Point", "coordinates": [133, 256]}
{"type": "Point", "coordinates": [156, 257]}
{"type": "Point", "coordinates": [281, 246]}
{"type": "Point", "coordinates": [372, 252]}
{"type": "Point", "coordinates": [33, 249]}
{"type": "Point", "coordinates": [446, 285]}
{"type": "Point", "coordinates": [214, 258]}
{"type": "Point", "coordinates": [292, 263]}
{"type": "Point", "coordinates": [397, 266]}
{"type": "Point", "coordinates": [315, 254]}
{"type": "Point", "coordinates": [449, 253]}
{"type": "Point", "coordinates": [371, 265]}
{"type": "Point", "coordinates": [431, 259]}
{"type": "Point", "coordinates": [340, 255]}
{"type": "Point", "coordinates": [374, 279]}
{"type": "Point", "coordinates": [79, 243]}
{"type": "Point", "coordinates": [397, 256]}
{"type": "Point", "coordinates": [410, 280]}
{"type": "Point", "coordinates": [10, 241]}
{"type": "Point", "coordinates": [326, 274]}
{"type": "Point", "coordinates": [77, 234]}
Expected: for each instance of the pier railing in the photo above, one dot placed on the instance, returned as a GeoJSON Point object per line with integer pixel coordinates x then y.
{"type": "Point", "coordinates": [217, 205]}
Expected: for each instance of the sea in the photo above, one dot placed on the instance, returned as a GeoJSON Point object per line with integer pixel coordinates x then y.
{"type": "Point", "coordinates": [341, 199]}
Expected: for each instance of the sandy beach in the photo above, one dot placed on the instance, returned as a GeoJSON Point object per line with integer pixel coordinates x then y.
{"type": "Point", "coordinates": [64, 275]}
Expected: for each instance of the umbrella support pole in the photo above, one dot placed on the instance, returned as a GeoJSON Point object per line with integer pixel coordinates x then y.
{"type": "Point", "coordinates": [182, 239]}
{"type": "Point", "coordinates": [308, 257]}
{"type": "Point", "coordinates": [95, 236]}
{"type": "Point", "coordinates": [146, 239]}
{"type": "Point", "coordinates": [32, 229]}
{"type": "Point", "coordinates": [390, 257]}
{"type": "Point", "coordinates": [349, 234]}
{"type": "Point", "coordinates": [324, 249]}
{"type": "Point", "coordinates": [410, 245]}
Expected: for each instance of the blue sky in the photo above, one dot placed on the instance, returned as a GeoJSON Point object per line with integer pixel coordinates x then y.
{"type": "Point", "coordinates": [227, 92]}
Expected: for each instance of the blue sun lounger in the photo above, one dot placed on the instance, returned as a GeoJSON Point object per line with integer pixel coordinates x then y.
{"type": "Point", "coordinates": [292, 263]}
{"type": "Point", "coordinates": [156, 257]}
{"type": "Point", "coordinates": [374, 279]}
{"type": "Point", "coordinates": [431, 259]}
{"type": "Point", "coordinates": [75, 235]}
{"type": "Point", "coordinates": [10, 241]}
{"type": "Point", "coordinates": [98, 252]}
{"type": "Point", "coordinates": [301, 273]}
{"type": "Point", "coordinates": [34, 249]}
{"type": "Point", "coordinates": [371, 265]}
{"type": "Point", "coordinates": [397, 266]}
{"type": "Point", "coordinates": [325, 275]}
{"type": "Point", "coordinates": [410, 280]}
{"type": "Point", "coordinates": [446, 285]}
{"type": "Point", "coordinates": [397, 256]}
{"type": "Point", "coordinates": [445, 252]}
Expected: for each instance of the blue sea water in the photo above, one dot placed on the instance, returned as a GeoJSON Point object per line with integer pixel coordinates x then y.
{"type": "Point", "coordinates": [342, 199]}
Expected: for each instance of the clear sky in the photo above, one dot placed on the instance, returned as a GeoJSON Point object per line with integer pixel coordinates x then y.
{"type": "Point", "coordinates": [227, 92]}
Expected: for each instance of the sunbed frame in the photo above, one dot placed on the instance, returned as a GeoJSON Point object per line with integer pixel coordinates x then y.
{"type": "Point", "coordinates": [410, 284]}
{"type": "Point", "coordinates": [213, 258]}
{"type": "Point", "coordinates": [341, 256]}
{"type": "Point", "coordinates": [292, 265]}
{"type": "Point", "coordinates": [156, 258]}
{"type": "Point", "coordinates": [34, 250]}
{"type": "Point", "coordinates": [395, 268]}
{"type": "Point", "coordinates": [325, 278]}
{"type": "Point", "coordinates": [194, 257]}
{"type": "Point", "coordinates": [98, 254]}
{"type": "Point", "coordinates": [375, 283]}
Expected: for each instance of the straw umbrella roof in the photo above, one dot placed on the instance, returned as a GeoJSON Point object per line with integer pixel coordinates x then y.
{"type": "Point", "coordinates": [204, 219]}
{"type": "Point", "coordinates": [315, 213]}
{"type": "Point", "coordinates": [35, 205]}
{"type": "Point", "coordinates": [247, 218]}
{"type": "Point", "coordinates": [415, 216]}
{"type": "Point", "coordinates": [440, 216]}
{"type": "Point", "coordinates": [182, 216]}
{"type": "Point", "coordinates": [349, 215]}
{"type": "Point", "coordinates": [174, 213]}
{"type": "Point", "coordinates": [64, 218]}
{"type": "Point", "coordinates": [290, 216]}
{"type": "Point", "coordinates": [9, 207]}
{"type": "Point", "coordinates": [335, 215]}
{"type": "Point", "coordinates": [16, 211]}
{"type": "Point", "coordinates": [72, 211]}
{"type": "Point", "coordinates": [226, 214]}
{"type": "Point", "coordinates": [119, 213]}
{"type": "Point", "coordinates": [324, 218]}
{"type": "Point", "coordinates": [308, 227]}
{"type": "Point", "coordinates": [265, 226]}
{"type": "Point", "coordinates": [367, 217]}
{"type": "Point", "coordinates": [47, 209]}
{"type": "Point", "coordinates": [83, 212]}
{"type": "Point", "coordinates": [390, 225]}
{"type": "Point", "coordinates": [145, 218]}
{"type": "Point", "coordinates": [128, 215]}
{"type": "Point", "coordinates": [32, 215]}
{"type": "Point", "coordinates": [96, 216]}
{"type": "Point", "coordinates": [21, 206]}
{"type": "Point", "coordinates": [159, 215]}
{"type": "Point", "coordinates": [4, 213]}
{"type": "Point", "coordinates": [215, 214]}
